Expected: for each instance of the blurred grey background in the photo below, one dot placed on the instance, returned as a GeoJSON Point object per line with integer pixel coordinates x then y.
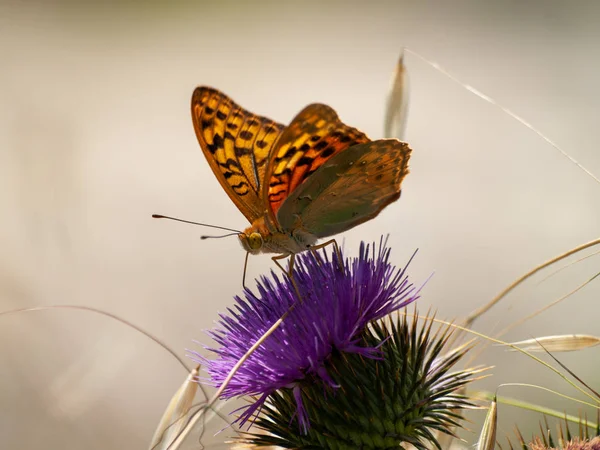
{"type": "Point", "coordinates": [96, 135]}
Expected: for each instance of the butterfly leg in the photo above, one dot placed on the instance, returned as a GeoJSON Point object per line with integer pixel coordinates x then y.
{"type": "Point", "coordinates": [244, 274]}
{"type": "Point", "coordinates": [338, 253]}
{"type": "Point", "coordinates": [289, 271]}
{"type": "Point", "coordinates": [276, 261]}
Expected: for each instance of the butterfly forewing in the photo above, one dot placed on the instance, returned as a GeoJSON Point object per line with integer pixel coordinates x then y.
{"type": "Point", "coordinates": [314, 136]}
{"type": "Point", "coordinates": [347, 190]}
{"type": "Point", "coordinates": [237, 145]}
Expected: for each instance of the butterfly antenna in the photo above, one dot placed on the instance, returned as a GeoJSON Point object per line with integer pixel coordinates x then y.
{"type": "Point", "coordinates": [219, 237]}
{"type": "Point", "coordinates": [160, 216]}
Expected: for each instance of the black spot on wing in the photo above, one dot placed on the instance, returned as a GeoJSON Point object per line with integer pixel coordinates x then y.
{"type": "Point", "coordinates": [231, 165]}
{"type": "Point", "coordinates": [241, 188]}
{"type": "Point", "coordinates": [321, 145]}
{"type": "Point", "coordinates": [218, 140]}
{"type": "Point", "coordinates": [276, 183]}
{"type": "Point", "coordinates": [304, 161]}
{"type": "Point", "coordinates": [288, 154]}
{"type": "Point", "coordinates": [274, 196]}
{"type": "Point", "coordinates": [242, 151]}
{"type": "Point", "coordinates": [328, 152]}
{"type": "Point", "coordinates": [246, 135]}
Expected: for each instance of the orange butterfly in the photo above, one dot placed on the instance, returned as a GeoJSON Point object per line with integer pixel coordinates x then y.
{"type": "Point", "coordinates": [314, 178]}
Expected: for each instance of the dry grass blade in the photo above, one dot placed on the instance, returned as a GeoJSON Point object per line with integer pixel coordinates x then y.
{"type": "Point", "coordinates": [583, 383]}
{"type": "Point", "coordinates": [507, 111]}
{"type": "Point", "coordinates": [525, 405]}
{"type": "Point", "coordinates": [485, 308]}
{"type": "Point", "coordinates": [558, 343]}
{"type": "Point", "coordinates": [498, 341]}
{"type": "Point", "coordinates": [522, 320]}
{"type": "Point", "coordinates": [566, 266]}
{"type": "Point", "coordinates": [487, 438]}
{"type": "Point", "coordinates": [534, 407]}
{"type": "Point", "coordinates": [396, 111]}
{"type": "Point", "coordinates": [176, 414]}
{"type": "Point", "coordinates": [102, 313]}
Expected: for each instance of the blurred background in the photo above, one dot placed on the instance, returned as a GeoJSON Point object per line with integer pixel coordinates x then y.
{"type": "Point", "coordinates": [96, 135]}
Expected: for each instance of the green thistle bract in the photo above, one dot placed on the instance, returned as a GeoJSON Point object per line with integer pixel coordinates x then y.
{"type": "Point", "coordinates": [405, 396]}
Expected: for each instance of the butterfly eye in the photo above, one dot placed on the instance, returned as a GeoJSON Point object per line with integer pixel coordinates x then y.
{"type": "Point", "coordinates": [255, 241]}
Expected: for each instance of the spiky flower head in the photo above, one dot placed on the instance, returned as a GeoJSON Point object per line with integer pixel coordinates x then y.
{"type": "Point", "coordinates": [333, 375]}
{"type": "Point", "coordinates": [337, 304]}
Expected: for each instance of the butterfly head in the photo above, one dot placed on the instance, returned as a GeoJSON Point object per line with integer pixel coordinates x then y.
{"type": "Point", "coordinates": [258, 238]}
{"type": "Point", "coordinates": [252, 241]}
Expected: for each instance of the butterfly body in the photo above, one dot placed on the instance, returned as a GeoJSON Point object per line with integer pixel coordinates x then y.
{"type": "Point", "coordinates": [315, 178]}
{"type": "Point", "coordinates": [263, 237]}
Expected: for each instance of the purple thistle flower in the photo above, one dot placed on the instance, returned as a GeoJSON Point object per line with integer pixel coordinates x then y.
{"type": "Point", "coordinates": [336, 307]}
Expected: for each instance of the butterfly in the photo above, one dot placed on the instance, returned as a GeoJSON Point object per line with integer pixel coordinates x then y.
{"type": "Point", "coordinates": [313, 179]}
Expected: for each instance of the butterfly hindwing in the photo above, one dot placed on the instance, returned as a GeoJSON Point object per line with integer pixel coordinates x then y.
{"type": "Point", "coordinates": [347, 190]}
{"type": "Point", "coordinates": [237, 145]}
{"type": "Point", "coordinates": [314, 136]}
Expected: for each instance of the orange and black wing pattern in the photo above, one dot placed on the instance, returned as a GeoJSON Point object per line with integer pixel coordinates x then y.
{"type": "Point", "coordinates": [314, 136]}
{"type": "Point", "coordinates": [237, 145]}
